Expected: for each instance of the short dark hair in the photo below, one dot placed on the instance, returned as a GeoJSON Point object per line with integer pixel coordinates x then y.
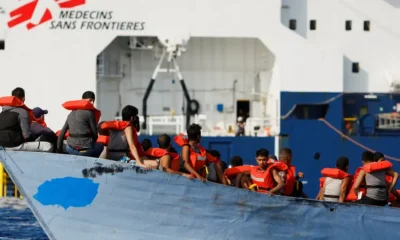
{"type": "Point", "coordinates": [378, 155]}
{"type": "Point", "coordinates": [146, 144]}
{"type": "Point", "coordinates": [193, 131]}
{"type": "Point", "coordinates": [368, 156]}
{"type": "Point", "coordinates": [273, 157]}
{"type": "Point", "coordinates": [342, 163]}
{"type": "Point", "coordinates": [215, 153]}
{"type": "Point", "coordinates": [287, 151]}
{"type": "Point", "coordinates": [262, 153]}
{"type": "Point", "coordinates": [18, 92]}
{"type": "Point", "coordinates": [164, 141]}
{"type": "Point", "coordinates": [89, 95]}
{"type": "Point", "coordinates": [128, 112]}
{"type": "Point", "coordinates": [236, 161]}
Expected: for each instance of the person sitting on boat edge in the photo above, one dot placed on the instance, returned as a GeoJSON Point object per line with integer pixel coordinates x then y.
{"type": "Point", "coordinates": [394, 195]}
{"type": "Point", "coordinates": [146, 144]}
{"type": "Point", "coordinates": [169, 161]}
{"type": "Point", "coordinates": [336, 182]}
{"type": "Point", "coordinates": [124, 144]}
{"type": "Point", "coordinates": [103, 138]}
{"type": "Point", "coordinates": [374, 176]}
{"type": "Point", "coordinates": [235, 173]}
{"type": "Point", "coordinates": [15, 125]}
{"type": "Point", "coordinates": [194, 156]}
{"type": "Point", "coordinates": [293, 186]}
{"type": "Point", "coordinates": [40, 130]}
{"type": "Point", "coordinates": [264, 177]}
{"type": "Point", "coordinates": [214, 170]}
{"type": "Point", "coordinates": [81, 125]}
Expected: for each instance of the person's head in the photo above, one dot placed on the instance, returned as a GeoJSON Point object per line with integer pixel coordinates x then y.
{"type": "Point", "coordinates": [39, 113]}
{"type": "Point", "coordinates": [194, 132]}
{"type": "Point", "coordinates": [262, 156]}
{"type": "Point", "coordinates": [101, 131]}
{"type": "Point", "coordinates": [215, 154]}
{"type": "Point", "coordinates": [378, 156]}
{"type": "Point", "coordinates": [164, 141]}
{"type": "Point", "coordinates": [285, 155]}
{"type": "Point", "coordinates": [130, 114]}
{"type": "Point", "coordinates": [146, 144]}
{"type": "Point", "coordinates": [19, 93]}
{"type": "Point", "coordinates": [343, 164]}
{"type": "Point", "coordinates": [236, 161]}
{"type": "Point", "coordinates": [273, 157]}
{"type": "Point", "coordinates": [367, 157]}
{"type": "Point", "coordinates": [224, 166]}
{"type": "Point", "coordinates": [90, 96]}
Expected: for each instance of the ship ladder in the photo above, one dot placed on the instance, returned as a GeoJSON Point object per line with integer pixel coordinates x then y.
{"type": "Point", "coordinates": [7, 187]}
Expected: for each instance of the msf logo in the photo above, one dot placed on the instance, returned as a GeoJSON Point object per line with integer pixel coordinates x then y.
{"type": "Point", "coordinates": [37, 12]}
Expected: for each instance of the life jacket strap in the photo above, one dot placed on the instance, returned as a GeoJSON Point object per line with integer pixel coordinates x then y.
{"type": "Point", "coordinates": [376, 186]}
{"type": "Point", "coordinates": [331, 196]}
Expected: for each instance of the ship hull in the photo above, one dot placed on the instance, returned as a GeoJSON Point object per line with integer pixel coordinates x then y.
{"type": "Point", "coordinates": [137, 204]}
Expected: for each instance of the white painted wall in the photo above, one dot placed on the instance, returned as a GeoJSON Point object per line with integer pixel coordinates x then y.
{"type": "Point", "coordinates": [295, 9]}
{"type": "Point", "coordinates": [377, 51]}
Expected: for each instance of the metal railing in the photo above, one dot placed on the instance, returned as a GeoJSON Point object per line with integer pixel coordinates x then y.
{"type": "Point", "coordinates": [7, 187]}
{"type": "Point", "coordinates": [388, 121]}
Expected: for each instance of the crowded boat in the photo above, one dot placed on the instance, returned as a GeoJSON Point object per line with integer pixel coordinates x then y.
{"type": "Point", "coordinates": [83, 134]}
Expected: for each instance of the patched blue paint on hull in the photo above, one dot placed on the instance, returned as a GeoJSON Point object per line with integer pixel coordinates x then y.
{"type": "Point", "coordinates": [154, 205]}
{"type": "Point", "coordinates": [67, 192]}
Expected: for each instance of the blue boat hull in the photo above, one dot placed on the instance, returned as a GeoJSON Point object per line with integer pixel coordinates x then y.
{"type": "Point", "coordinates": [125, 202]}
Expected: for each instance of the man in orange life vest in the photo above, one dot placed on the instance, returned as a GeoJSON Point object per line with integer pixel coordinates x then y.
{"type": "Point", "coordinates": [265, 177]}
{"type": "Point", "coordinates": [40, 130]}
{"type": "Point", "coordinates": [82, 126]}
{"type": "Point", "coordinates": [394, 196]}
{"type": "Point", "coordinates": [15, 121]}
{"type": "Point", "coordinates": [195, 157]}
{"type": "Point", "coordinates": [124, 140]}
{"type": "Point", "coordinates": [169, 161]}
{"type": "Point", "coordinates": [293, 187]}
{"type": "Point", "coordinates": [374, 176]}
{"type": "Point", "coordinates": [336, 182]}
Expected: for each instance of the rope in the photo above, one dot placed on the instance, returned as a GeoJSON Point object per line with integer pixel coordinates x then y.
{"type": "Point", "coordinates": [325, 102]}
{"type": "Point", "coordinates": [354, 141]}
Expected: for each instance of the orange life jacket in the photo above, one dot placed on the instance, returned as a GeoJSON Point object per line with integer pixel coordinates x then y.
{"type": "Point", "coordinates": [332, 173]}
{"type": "Point", "coordinates": [103, 140]}
{"type": "Point", "coordinates": [12, 101]}
{"type": "Point", "coordinates": [264, 179]}
{"type": "Point", "coordinates": [120, 126]}
{"type": "Point", "coordinates": [197, 159]}
{"type": "Point", "coordinates": [80, 105]}
{"type": "Point", "coordinates": [232, 172]}
{"type": "Point", "coordinates": [290, 180]}
{"type": "Point", "coordinates": [371, 167]}
{"type": "Point", "coordinates": [159, 152]}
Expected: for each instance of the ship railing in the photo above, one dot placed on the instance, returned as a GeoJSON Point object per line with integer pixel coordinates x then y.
{"type": "Point", "coordinates": [178, 122]}
{"type": "Point", "coordinates": [388, 121]}
{"type": "Point", "coordinates": [260, 127]}
{"type": "Point", "coordinates": [7, 187]}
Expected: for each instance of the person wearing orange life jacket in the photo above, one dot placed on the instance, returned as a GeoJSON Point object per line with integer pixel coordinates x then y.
{"type": "Point", "coordinates": [81, 124]}
{"type": "Point", "coordinates": [293, 187]}
{"type": "Point", "coordinates": [235, 173]}
{"type": "Point", "coordinates": [374, 176]}
{"type": "Point", "coordinates": [40, 130]}
{"type": "Point", "coordinates": [265, 177]}
{"type": "Point", "coordinates": [103, 139]}
{"type": "Point", "coordinates": [394, 195]}
{"type": "Point", "coordinates": [15, 121]}
{"type": "Point", "coordinates": [336, 183]}
{"type": "Point", "coordinates": [124, 140]}
{"type": "Point", "coordinates": [169, 161]}
{"type": "Point", "coordinates": [194, 156]}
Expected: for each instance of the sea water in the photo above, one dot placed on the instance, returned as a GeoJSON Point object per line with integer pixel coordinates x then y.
{"type": "Point", "coordinates": [17, 221]}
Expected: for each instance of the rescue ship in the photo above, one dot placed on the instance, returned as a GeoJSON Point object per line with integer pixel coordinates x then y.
{"type": "Point", "coordinates": [318, 77]}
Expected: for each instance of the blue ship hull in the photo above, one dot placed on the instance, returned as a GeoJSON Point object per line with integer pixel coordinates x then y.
{"type": "Point", "coordinates": [85, 198]}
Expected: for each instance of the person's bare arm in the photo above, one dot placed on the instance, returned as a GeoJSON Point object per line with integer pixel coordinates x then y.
{"type": "Point", "coordinates": [165, 162]}
{"type": "Point", "coordinates": [343, 189]}
{"type": "Point", "coordinates": [220, 174]}
{"type": "Point", "coordinates": [132, 146]}
{"type": "Point", "coordinates": [187, 165]}
{"type": "Point", "coordinates": [321, 193]}
{"type": "Point", "coordinates": [280, 184]}
{"type": "Point", "coordinates": [395, 176]}
{"type": "Point", "coordinates": [358, 181]}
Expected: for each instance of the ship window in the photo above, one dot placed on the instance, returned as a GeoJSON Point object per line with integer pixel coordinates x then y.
{"type": "Point", "coordinates": [2, 45]}
{"type": "Point", "coordinates": [356, 67]}
{"type": "Point", "coordinates": [313, 24]}
{"type": "Point", "coordinates": [310, 111]}
{"type": "Point", "coordinates": [367, 25]}
{"type": "Point", "coordinates": [292, 24]}
{"type": "Point", "coordinates": [348, 25]}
